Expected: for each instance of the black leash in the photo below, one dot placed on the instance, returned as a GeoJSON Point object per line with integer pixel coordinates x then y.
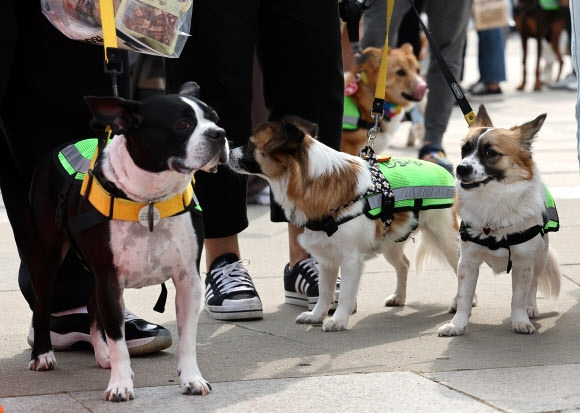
{"type": "Point", "coordinates": [451, 81]}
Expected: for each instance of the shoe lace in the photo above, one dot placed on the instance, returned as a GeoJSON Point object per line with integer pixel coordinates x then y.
{"type": "Point", "coordinates": [232, 278]}
{"type": "Point", "coordinates": [309, 268]}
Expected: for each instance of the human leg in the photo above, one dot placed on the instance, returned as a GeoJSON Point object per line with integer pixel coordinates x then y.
{"type": "Point", "coordinates": [491, 63]}
{"type": "Point", "coordinates": [448, 25]}
{"type": "Point", "coordinates": [294, 88]}
{"type": "Point", "coordinates": [491, 57]}
{"type": "Point", "coordinates": [225, 75]}
{"type": "Point", "coordinates": [575, 46]}
{"type": "Point", "coordinates": [374, 23]}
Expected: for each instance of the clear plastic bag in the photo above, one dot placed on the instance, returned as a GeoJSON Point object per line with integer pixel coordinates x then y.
{"type": "Point", "coordinates": [157, 27]}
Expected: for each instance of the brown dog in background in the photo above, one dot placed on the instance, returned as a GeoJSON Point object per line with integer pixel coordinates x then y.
{"type": "Point", "coordinates": [534, 22]}
{"type": "Point", "coordinates": [404, 88]}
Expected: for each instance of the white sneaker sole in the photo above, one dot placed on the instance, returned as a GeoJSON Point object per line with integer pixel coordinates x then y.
{"type": "Point", "coordinates": [62, 342]}
{"type": "Point", "coordinates": [305, 301]}
{"type": "Point", "coordinates": [250, 308]}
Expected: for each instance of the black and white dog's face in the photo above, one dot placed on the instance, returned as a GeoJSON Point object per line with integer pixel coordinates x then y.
{"type": "Point", "coordinates": [174, 132]}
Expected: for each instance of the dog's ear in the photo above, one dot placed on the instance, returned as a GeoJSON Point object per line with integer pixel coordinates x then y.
{"type": "Point", "coordinates": [370, 59]}
{"type": "Point", "coordinates": [190, 88]}
{"type": "Point", "coordinates": [529, 130]}
{"type": "Point", "coordinates": [291, 133]}
{"type": "Point", "coordinates": [407, 48]}
{"type": "Point", "coordinates": [482, 119]}
{"type": "Point", "coordinates": [120, 114]}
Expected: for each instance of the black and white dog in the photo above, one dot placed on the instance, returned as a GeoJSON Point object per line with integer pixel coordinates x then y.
{"type": "Point", "coordinates": [149, 164]}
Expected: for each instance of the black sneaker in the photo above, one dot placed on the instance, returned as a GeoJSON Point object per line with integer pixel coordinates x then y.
{"type": "Point", "coordinates": [72, 331]}
{"type": "Point", "coordinates": [301, 284]}
{"type": "Point", "coordinates": [230, 293]}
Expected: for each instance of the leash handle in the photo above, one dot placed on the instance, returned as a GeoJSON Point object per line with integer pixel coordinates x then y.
{"type": "Point", "coordinates": [468, 113]}
{"type": "Point", "coordinates": [379, 101]}
{"type": "Point", "coordinates": [378, 107]}
{"type": "Point", "coordinates": [113, 62]}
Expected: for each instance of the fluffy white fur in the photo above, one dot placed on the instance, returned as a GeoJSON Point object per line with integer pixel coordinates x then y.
{"type": "Point", "coordinates": [504, 207]}
{"type": "Point", "coordinates": [356, 240]}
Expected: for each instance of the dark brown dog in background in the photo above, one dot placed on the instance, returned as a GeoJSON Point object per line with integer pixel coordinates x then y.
{"type": "Point", "coordinates": [534, 22]}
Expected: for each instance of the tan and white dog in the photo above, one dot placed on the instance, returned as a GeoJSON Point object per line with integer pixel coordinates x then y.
{"type": "Point", "coordinates": [403, 90]}
{"type": "Point", "coordinates": [327, 192]}
{"type": "Point", "coordinates": [506, 211]}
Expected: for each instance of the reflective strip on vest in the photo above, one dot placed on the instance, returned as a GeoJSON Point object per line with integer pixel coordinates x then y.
{"type": "Point", "coordinates": [553, 223]}
{"type": "Point", "coordinates": [423, 192]}
{"type": "Point", "coordinates": [76, 158]}
{"type": "Point", "coordinates": [413, 179]}
{"type": "Point", "coordinates": [350, 115]}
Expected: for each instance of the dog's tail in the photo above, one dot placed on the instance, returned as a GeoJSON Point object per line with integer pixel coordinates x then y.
{"type": "Point", "coordinates": [549, 281]}
{"type": "Point", "coordinates": [439, 239]}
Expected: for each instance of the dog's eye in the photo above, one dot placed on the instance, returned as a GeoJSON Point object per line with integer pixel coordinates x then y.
{"type": "Point", "coordinates": [466, 150]}
{"type": "Point", "coordinates": [401, 72]}
{"type": "Point", "coordinates": [490, 153]}
{"type": "Point", "coordinates": [182, 124]}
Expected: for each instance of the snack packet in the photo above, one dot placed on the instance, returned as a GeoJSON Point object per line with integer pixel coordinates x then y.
{"type": "Point", "coordinates": [158, 27]}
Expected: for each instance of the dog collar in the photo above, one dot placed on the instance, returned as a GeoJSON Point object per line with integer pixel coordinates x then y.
{"type": "Point", "coordinates": [76, 157]}
{"type": "Point", "coordinates": [391, 110]}
{"type": "Point", "coordinates": [147, 213]}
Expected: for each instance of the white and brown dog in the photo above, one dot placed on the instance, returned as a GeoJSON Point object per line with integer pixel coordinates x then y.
{"type": "Point", "coordinates": [506, 211]}
{"type": "Point", "coordinates": [141, 230]}
{"type": "Point", "coordinates": [404, 88]}
{"type": "Point", "coordinates": [349, 217]}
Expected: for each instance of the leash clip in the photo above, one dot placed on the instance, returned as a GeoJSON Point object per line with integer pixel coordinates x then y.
{"type": "Point", "coordinates": [113, 65]}
{"type": "Point", "coordinates": [372, 132]}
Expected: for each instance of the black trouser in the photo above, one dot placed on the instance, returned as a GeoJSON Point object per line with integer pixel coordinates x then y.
{"type": "Point", "coordinates": [43, 79]}
{"type": "Point", "coordinates": [298, 46]}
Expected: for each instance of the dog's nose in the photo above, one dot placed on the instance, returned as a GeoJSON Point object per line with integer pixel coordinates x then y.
{"type": "Point", "coordinates": [420, 90]}
{"type": "Point", "coordinates": [463, 170]}
{"type": "Point", "coordinates": [216, 134]}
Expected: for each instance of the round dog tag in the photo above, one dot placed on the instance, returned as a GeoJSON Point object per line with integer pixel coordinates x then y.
{"type": "Point", "coordinates": [149, 216]}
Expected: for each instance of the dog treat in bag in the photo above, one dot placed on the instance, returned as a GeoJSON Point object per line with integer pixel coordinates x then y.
{"type": "Point", "coordinates": [88, 11]}
{"type": "Point", "coordinates": [154, 22]}
{"type": "Point", "coordinates": [158, 27]}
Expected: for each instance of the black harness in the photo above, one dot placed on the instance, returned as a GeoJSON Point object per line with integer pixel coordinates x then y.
{"type": "Point", "coordinates": [379, 194]}
{"type": "Point", "coordinates": [511, 239]}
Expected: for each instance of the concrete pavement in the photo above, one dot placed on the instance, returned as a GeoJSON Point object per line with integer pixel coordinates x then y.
{"type": "Point", "coordinates": [390, 359]}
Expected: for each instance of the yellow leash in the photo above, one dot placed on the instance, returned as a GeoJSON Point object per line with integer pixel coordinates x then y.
{"type": "Point", "coordinates": [113, 59]}
{"type": "Point", "coordinates": [378, 108]}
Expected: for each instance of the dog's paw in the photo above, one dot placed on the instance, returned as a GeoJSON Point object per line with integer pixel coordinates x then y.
{"type": "Point", "coordinates": [103, 359]}
{"type": "Point", "coordinates": [533, 312]}
{"type": "Point", "coordinates": [44, 361]}
{"type": "Point", "coordinates": [453, 306]}
{"type": "Point", "coordinates": [308, 317]}
{"type": "Point", "coordinates": [523, 327]}
{"type": "Point", "coordinates": [119, 392]}
{"type": "Point", "coordinates": [394, 300]}
{"type": "Point", "coordinates": [195, 386]}
{"type": "Point", "coordinates": [332, 324]}
{"type": "Point", "coordinates": [450, 329]}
